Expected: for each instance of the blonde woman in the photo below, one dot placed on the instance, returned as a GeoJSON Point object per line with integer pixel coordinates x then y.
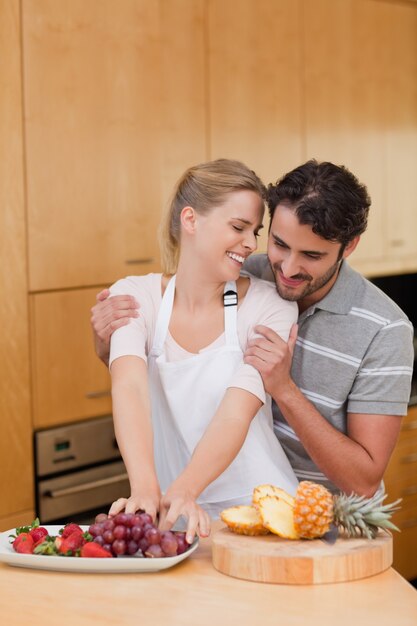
{"type": "Point", "coordinates": [193, 422]}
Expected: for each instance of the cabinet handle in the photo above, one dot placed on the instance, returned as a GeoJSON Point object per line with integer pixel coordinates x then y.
{"type": "Point", "coordinates": [138, 261]}
{"type": "Point", "coordinates": [91, 395]}
{"type": "Point", "coordinates": [410, 426]}
{"type": "Point", "coordinates": [411, 458]}
{"type": "Point", "coordinates": [409, 491]}
{"type": "Point", "coordinates": [103, 482]}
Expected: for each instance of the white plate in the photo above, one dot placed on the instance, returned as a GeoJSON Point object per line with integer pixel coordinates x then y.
{"type": "Point", "coordinates": [78, 564]}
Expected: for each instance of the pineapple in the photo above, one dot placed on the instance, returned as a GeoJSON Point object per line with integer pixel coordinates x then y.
{"type": "Point", "coordinates": [244, 520]}
{"type": "Point", "coordinates": [310, 514]}
{"type": "Point", "coordinates": [270, 490]}
{"type": "Point", "coordinates": [277, 515]}
{"type": "Point", "coordinates": [315, 509]}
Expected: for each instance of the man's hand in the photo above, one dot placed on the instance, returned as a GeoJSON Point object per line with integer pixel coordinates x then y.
{"type": "Point", "coordinates": [272, 357]}
{"type": "Point", "coordinates": [107, 315]}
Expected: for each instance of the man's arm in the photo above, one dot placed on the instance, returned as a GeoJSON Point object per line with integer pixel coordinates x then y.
{"type": "Point", "coordinates": [107, 315]}
{"type": "Point", "coordinates": [354, 462]}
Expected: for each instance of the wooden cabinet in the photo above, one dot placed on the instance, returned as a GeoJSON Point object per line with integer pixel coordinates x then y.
{"type": "Point", "coordinates": [360, 60]}
{"type": "Point", "coordinates": [16, 474]}
{"type": "Point", "coordinates": [113, 114]}
{"type": "Point", "coordinates": [255, 96]}
{"type": "Point", "coordinates": [401, 482]}
{"type": "Point", "coordinates": [69, 383]}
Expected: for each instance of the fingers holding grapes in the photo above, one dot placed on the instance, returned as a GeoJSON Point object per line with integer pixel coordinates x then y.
{"type": "Point", "coordinates": [133, 504]}
{"type": "Point", "coordinates": [171, 508]}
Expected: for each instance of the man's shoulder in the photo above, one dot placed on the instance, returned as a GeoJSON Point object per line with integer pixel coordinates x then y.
{"type": "Point", "coordinates": [258, 265]}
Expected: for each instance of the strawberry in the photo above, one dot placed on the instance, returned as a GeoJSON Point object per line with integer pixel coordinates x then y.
{"type": "Point", "coordinates": [69, 529]}
{"type": "Point", "coordinates": [37, 533]}
{"type": "Point", "coordinates": [23, 544]}
{"type": "Point", "coordinates": [93, 549]}
{"type": "Point", "coordinates": [70, 544]}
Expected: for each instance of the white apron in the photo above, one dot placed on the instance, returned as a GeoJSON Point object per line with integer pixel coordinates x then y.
{"type": "Point", "coordinates": [185, 396]}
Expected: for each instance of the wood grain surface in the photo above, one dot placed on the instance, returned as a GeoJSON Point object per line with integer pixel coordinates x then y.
{"type": "Point", "coordinates": [274, 560]}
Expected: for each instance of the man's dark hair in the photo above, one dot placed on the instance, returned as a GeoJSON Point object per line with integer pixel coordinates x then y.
{"type": "Point", "coordinates": [326, 197]}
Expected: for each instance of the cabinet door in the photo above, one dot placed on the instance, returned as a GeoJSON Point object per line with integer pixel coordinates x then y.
{"type": "Point", "coordinates": [16, 475]}
{"type": "Point", "coordinates": [69, 381]}
{"type": "Point", "coordinates": [361, 111]}
{"type": "Point", "coordinates": [400, 42]}
{"type": "Point", "coordinates": [113, 114]}
{"type": "Point", "coordinates": [401, 482]}
{"type": "Point", "coordinates": [344, 85]}
{"type": "Point", "coordinates": [255, 89]}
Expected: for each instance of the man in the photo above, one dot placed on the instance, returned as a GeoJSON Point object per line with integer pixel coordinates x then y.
{"type": "Point", "coordinates": [342, 382]}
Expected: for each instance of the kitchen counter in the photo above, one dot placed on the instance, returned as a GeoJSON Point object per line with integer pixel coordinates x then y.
{"type": "Point", "coordinates": [193, 593]}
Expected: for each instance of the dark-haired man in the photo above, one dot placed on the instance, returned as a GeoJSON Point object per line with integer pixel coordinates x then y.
{"type": "Point", "coordinates": [342, 382]}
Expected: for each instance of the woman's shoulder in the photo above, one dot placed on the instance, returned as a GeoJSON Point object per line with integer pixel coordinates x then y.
{"type": "Point", "coordinates": [264, 293]}
{"type": "Point", "coordinates": [138, 285]}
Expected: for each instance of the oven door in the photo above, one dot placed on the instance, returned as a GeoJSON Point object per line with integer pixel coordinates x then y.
{"type": "Point", "coordinates": [79, 495]}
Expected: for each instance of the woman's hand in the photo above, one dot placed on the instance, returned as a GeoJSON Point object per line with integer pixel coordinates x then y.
{"type": "Point", "coordinates": [148, 502]}
{"type": "Point", "coordinates": [177, 502]}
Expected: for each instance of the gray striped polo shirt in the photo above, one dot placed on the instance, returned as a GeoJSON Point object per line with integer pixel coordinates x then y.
{"type": "Point", "coordinates": [354, 354]}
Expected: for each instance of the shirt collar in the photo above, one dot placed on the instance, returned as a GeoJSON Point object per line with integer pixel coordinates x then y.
{"type": "Point", "coordinates": [342, 295]}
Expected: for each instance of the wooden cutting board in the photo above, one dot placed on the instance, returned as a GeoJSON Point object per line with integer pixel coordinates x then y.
{"type": "Point", "coordinates": [271, 559]}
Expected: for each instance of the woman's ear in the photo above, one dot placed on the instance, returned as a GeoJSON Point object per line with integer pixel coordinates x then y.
{"type": "Point", "coordinates": [188, 219]}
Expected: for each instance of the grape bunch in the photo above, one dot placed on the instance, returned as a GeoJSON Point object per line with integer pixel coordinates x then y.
{"type": "Point", "coordinates": [128, 534]}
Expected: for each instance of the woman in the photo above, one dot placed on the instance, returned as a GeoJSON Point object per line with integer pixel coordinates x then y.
{"type": "Point", "coordinates": [192, 421]}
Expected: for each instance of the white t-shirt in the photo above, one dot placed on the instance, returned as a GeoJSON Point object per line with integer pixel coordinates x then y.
{"type": "Point", "coordinates": [261, 305]}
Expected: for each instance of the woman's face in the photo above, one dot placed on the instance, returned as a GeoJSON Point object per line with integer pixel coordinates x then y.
{"type": "Point", "coordinates": [227, 234]}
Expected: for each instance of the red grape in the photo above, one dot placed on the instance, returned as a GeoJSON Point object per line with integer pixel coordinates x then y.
{"type": "Point", "coordinates": [119, 546]}
{"type": "Point", "coordinates": [146, 518]}
{"type": "Point", "coordinates": [169, 543]}
{"type": "Point", "coordinates": [136, 533]}
{"type": "Point", "coordinates": [132, 547]}
{"type": "Point", "coordinates": [95, 529]}
{"type": "Point", "coordinates": [121, 518]}
{"type": "Point", "coordinates": [99, 539]}
{"type": "Point", "coordinates": [154, 551]}
{"type": "Point", "coordinates": [109, 524]}
{"type": "Point", "coordinates": [119, 532]}
{"type": "Point", "coordinates": [101, 517]}
{"type": "Point", "coordinates": [153, 536]}
{"type": "Point", "coordinates": [108, 536]}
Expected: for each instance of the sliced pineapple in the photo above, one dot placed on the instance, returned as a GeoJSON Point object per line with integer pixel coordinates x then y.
{"type": "Point", "coordinates": [243, 520]}
{"type": "Point", "coordinates": [270, 490]}
{"type": "Point", "coordinates": [278, 516]}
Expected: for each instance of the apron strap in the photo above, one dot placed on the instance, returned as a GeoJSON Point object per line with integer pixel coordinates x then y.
{"type": "Point", "coordinates": [230, 313]}
{"type": "Point", "coordinates": [163, 318]}
{"type": "Point", "coordinates": [230, 316]}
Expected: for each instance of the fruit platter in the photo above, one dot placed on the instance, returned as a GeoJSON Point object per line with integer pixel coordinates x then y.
{"type": "Point", "coordinates": [123, 543]}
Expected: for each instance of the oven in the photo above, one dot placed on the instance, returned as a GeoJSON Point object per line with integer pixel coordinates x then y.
{"type": "Point", "coordinates": [78, 471]}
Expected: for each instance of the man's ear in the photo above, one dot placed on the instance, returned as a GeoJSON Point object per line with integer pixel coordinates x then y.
{"type": "Point", "coordinates": [188, 219]}
{"type": "Point", "coordinates": [351, 247]}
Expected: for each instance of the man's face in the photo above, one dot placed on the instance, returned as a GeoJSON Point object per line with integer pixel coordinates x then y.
{"type": "Point", "coordinates": [305, 265]}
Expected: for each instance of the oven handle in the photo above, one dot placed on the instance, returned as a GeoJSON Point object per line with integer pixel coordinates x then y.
{"type": "Point", "coordinates": [68, 491]}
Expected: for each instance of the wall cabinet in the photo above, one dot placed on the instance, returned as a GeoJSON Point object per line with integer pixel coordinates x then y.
{"type": "Point", "coordinates": [114, 112]}
{"type": "Point", "coordinates": [16, 474]}
{"type": "Point", "coordinates": [401, 482]}
{"type": "Point", "coordinates": [360, 61]}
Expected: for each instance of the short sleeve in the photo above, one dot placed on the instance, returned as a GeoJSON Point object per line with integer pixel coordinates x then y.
{"type": "Point", "coordinates": [383, 382]}
{"type": "Point", "coordinates": [262, 306]}
{"type": "Point", "coordinates": [134, 339]}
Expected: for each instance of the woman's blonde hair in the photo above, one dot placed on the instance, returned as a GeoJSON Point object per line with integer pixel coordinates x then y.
{"type": "Point", "coordinates": [202, 187]}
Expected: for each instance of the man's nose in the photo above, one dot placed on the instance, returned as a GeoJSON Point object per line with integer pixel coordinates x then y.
{"type": "Point", "coordinates": [289, 265]}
